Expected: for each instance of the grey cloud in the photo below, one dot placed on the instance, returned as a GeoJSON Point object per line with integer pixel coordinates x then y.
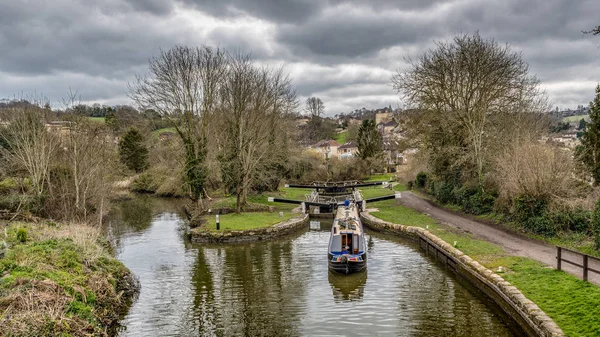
{"type": "Point", "coordinates": [343, 50]}
{"type": "Point", "coordinates": [272, 10]}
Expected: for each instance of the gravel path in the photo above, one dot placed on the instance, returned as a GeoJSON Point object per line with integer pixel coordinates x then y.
{"type": "Point", "coordinates": [512, 243]}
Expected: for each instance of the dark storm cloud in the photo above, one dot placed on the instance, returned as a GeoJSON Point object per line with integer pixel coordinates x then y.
{"type": "Point", "coordinates": [342, 50]}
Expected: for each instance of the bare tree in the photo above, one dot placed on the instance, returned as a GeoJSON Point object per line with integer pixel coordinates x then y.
{"type": "Point", "coordinates": [593, 31]}
{"type": "Point", "coordinates": [463, 87]}
{"type": "Point", "coordinates": [314, 107]}
{"type": "Point", "coordinates": [183, 86]}
{"type": "Point", "coordinates": [29, 144]}
{"type": "Point", "coordinates": [254, 104]}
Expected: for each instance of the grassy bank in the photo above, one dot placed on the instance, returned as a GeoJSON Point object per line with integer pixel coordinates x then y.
{"type": "Point", "coordinates": [573, 304]}
{"type": "Point", "coordinates": [246, 221]}
{"type": "Point", "coordinates": [253, 219]}
{"type": "Point", "coordinates": [61, 280]}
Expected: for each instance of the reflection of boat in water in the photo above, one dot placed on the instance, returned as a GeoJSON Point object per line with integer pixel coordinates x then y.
{"type": "Point", "coordinates": [347, 248]}
{"type": "Point", "coordinates": [348, 287]}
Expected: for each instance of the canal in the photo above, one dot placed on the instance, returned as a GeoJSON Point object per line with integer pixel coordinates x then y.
{"type": "Point", "coordinates": [283, 287]}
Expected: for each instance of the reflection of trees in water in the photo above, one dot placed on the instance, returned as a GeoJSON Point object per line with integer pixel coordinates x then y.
{"type": "Point", "coordinates": [347, 287]}
{"type": "Point", "coordinates": [206, 314]}
{"type": "Point", "coordinates": [135, 215]}
{"type": "Point", "coordinates": [248, 290]}
{"type": "Point", "coordinates": [441, 307]}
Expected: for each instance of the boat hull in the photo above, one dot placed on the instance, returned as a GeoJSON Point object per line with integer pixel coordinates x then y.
{"type": "Point", "coordinates": [347, 267]}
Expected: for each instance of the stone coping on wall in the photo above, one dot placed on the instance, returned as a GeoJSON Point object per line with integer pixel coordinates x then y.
{"type": "Point", "coordinates": [526, 313]}
{"type": "Point", "coordinates": [279, 229]}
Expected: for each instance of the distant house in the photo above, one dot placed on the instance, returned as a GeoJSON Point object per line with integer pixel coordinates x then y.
{"type": "Point", "coordinates": [167, 135]}
{"type": "Point", "coordinates": [348, 150]}
{"type": "Point", "coordinates": [60, 127]}
{"type": "Point", "coordinates": [328, 147]}
{"type": "Point", "coordinates": [354, 121]}
{"type": "Point", "coordinates": [383, 117]}
{"type": "Point", "coordinates": [387, 128]}
{"type": "Point", "coordinates": [301, 121]}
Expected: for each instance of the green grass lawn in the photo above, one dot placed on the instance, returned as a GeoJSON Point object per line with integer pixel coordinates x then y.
{"type": "Point", "coordinates": [573, 304]}
{"type": "Point", "coordinates": [342, 137]}
{"type": "Point", "coordinates": [577, 118]}
{"type": "Point", "coordinates": [254, 220]}
{"type": "Point", "coordinates": [382, 177]}
{"type": "Point", "coordinates": [245, 221]}
{"type": "Point", "coordinates": [97, 119]}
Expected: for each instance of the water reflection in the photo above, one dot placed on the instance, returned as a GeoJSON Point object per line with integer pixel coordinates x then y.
{"type": "Point", "coordinates": [347, 287]}
{"type": "Point", "coordinates": [284, 288]}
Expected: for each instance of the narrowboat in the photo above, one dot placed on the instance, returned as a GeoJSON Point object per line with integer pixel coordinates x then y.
{"type": "Point", "coordinates": [347, 247]}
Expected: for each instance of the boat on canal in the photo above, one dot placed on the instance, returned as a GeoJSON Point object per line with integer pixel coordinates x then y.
{"type": "Point", "coordinates": [347, 251]}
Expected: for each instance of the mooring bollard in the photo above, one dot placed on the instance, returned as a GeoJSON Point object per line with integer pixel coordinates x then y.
{"type": "Point", "coordinates": [218, 224]}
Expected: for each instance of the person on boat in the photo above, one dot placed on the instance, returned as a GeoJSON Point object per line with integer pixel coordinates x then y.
{"type": "Point", "coordinates": [345, 250]}
{"type": "Point", "coordinates": [346, 202]}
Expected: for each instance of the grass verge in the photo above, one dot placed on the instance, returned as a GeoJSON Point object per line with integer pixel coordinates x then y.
{"type": "Point", "coordinates": [342, 137]}
{"type": "Point", "coordinates": [255, 220]}
{"type": "Point", "coordinates": [247, 221]}
{"type": "Point", "coordinates": [573, 304]}
{"type": "Point", "coordinates": [61, 280]}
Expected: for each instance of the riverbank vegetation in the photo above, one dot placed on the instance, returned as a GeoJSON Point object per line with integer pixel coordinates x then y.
{"type": "Point", "coordinates": [481, 148]}
{"type": "Point", "coordinates": [61, 279]}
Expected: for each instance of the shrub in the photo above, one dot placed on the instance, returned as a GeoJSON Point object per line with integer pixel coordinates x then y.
{"type": "Point", "coordinates": [526, 207]}
{"type": "Point", "coordinates": [443, 192]}
{"type": "Point", "coordinates": [144, 183]}
{"type": "Point", "coordinates": [421, 179]}
{"type": "Point", "coordinates": [534, 169]}
{"type": "Point", "coordinates": [7, 185]}
{"type": "Point", "coordinates": [409, 185]}
{"type": "Point", "coordinates": [22, 235]}
{"type": "Point", "coordinates": [572, 219]}
{"type": "Point", "coordinates": [595, 224]}
{"type": "Point", "coordinates": [479, 203]}
{"type": "Point", "coordinates": [541, 225]}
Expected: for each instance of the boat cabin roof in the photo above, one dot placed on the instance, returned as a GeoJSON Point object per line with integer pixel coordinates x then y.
{"type": "Point", "coordinates": [347, 220]}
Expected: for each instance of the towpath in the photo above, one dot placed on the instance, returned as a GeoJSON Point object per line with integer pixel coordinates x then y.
{"type": "Point", "coordinates": [514, 244]}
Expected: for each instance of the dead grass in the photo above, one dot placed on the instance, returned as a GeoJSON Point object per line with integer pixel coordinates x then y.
{"type": "Point", "coordinates": [62, 281]}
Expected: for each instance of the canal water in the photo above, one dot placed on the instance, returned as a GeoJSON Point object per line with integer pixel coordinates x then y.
{"type": "Point", "coordinates": [283, 287]}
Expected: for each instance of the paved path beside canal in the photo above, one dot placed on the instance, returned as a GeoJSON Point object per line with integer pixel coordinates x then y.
{"type": "Point", "coordinates": [514, 244]}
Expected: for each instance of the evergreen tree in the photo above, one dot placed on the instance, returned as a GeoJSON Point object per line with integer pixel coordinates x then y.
{"type": "Point", "coordinates": [588, 153]}
{"type": "Point", "coordinates": [132, 151]}
{"type": "Point", "coordinates": [369, 141]}
{"type": "Point", "coordinates": [582, 124]}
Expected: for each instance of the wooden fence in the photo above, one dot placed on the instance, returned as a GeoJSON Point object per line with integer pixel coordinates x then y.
{"type": "Point", "coordinates": [584, 264]}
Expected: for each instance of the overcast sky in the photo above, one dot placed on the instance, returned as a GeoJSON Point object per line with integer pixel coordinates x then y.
{"type": "Point", "coordinates": [342, 51]}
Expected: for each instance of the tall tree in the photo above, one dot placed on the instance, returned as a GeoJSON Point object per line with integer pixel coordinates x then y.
{"type": "Point", "coordinates": [588, 153]}
{"type": "Point", "coordinates": [468, 90]}
{"type": "Point", "coordinates": [369, 140]}
{"type": "Point", "coordinates": [132, 151]}
{"type": "Point", "coordinates": [254, 103]}
{"type": "Point", "coordinates": [582, 124]}
{"type": "Point", "coordinates": [183, 86]}
{"type": "Point", "coordinates": [314, 107]}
